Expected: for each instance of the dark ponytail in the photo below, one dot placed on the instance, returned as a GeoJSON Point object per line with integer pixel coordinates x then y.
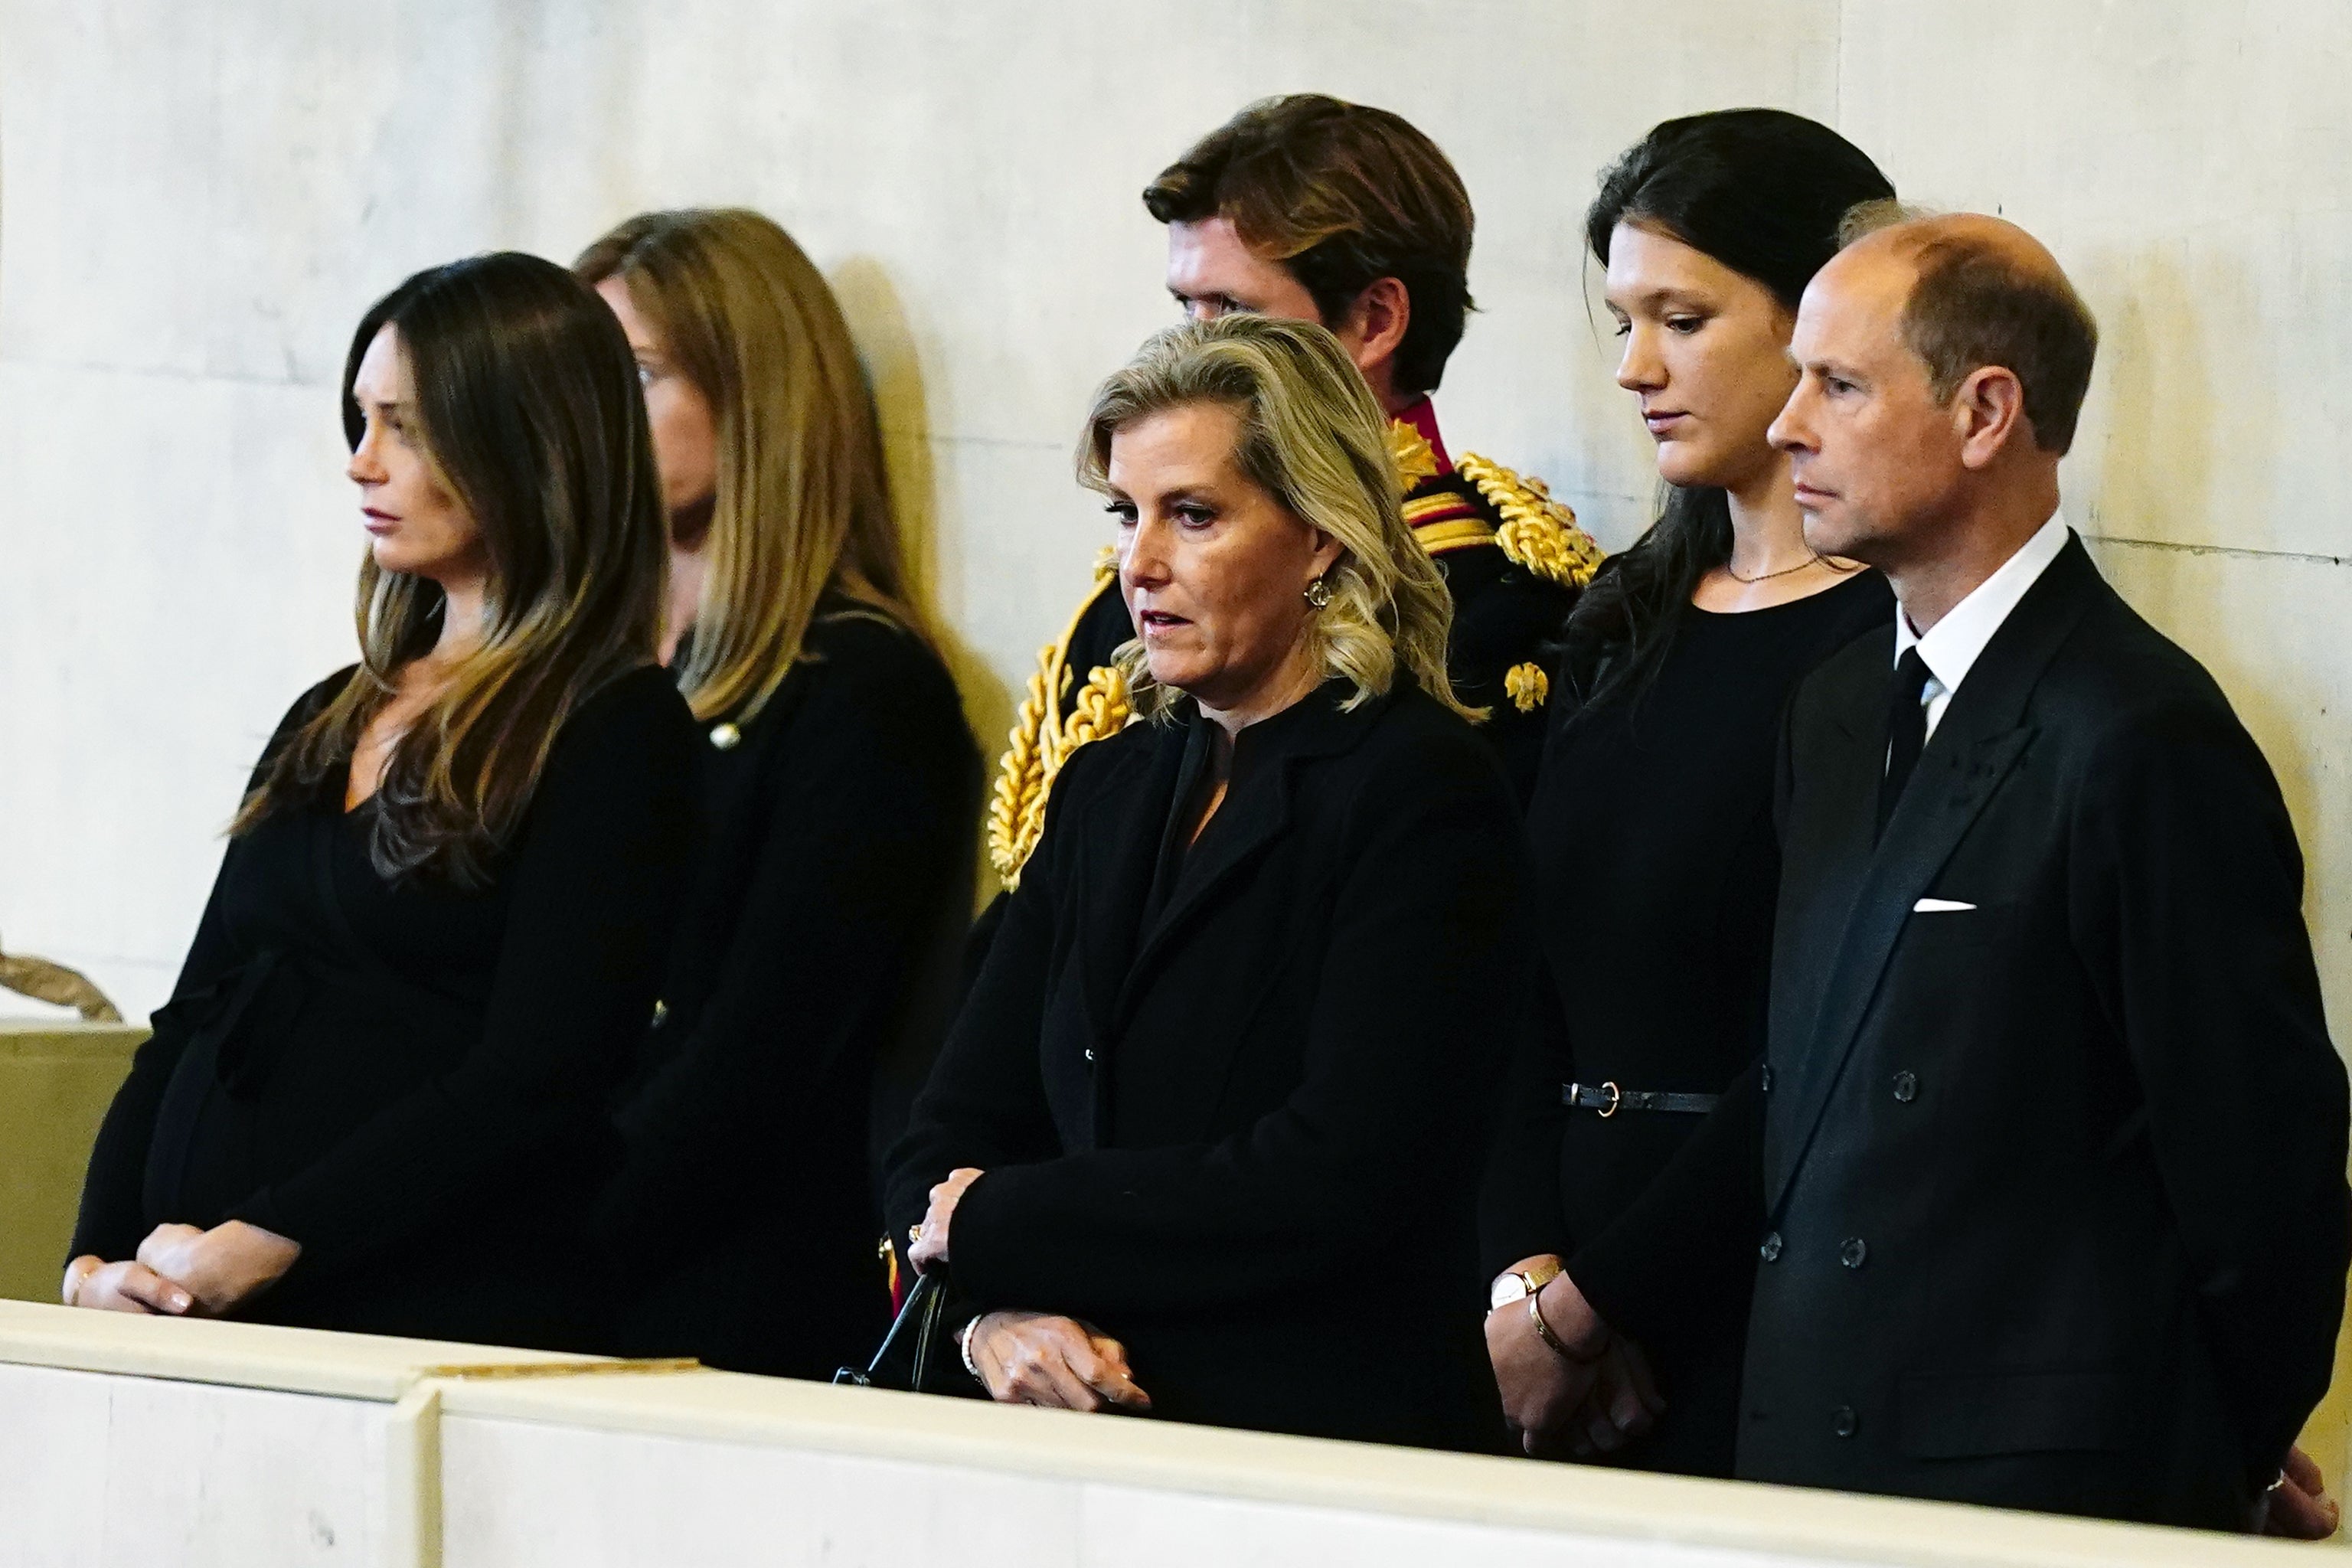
{"type": "Point", "coordinates": [1761, 191]}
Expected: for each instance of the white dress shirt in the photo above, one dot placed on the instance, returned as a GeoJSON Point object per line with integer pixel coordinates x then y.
{"type": "Point", "coordinates": [1952, 645]}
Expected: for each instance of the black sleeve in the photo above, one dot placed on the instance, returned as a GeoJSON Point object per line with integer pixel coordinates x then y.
{"type": "Point", "coordinates": [2187, 893]}
{"type": "Point", "coordinates": [594, 881]}
{"type": "Point", "coordinates": [112, 1220]}
{"type": "Point", "coordinates": [1664, 1270]}
{"type": "Point", "coordinates": [1421, 985]}
{"type": "Point", "coordinates": [867, 839]}
{"type": "Point", "coordinates": [984, 1104]}
{"type": "Point", "coordinates": [1519, 1210]}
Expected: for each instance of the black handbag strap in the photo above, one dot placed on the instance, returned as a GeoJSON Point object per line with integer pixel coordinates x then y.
{"type": "Point", "coordinates": [920, 1312]}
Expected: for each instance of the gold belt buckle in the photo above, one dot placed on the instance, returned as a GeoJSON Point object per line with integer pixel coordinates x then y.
{"type": "Point", "coordinates": [1616, 1098]}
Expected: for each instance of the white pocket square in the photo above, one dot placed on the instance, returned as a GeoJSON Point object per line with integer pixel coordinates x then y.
{"type": "Point", "coordinates": [1938, 907]}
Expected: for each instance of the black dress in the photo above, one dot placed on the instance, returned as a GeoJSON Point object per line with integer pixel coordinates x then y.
{"type": "Point", "coordinates": [811, 984]}
{"type": "Point", "coordinates": [407, 1079]}
{"type": "Point", "coordinates": [1657, 935]}
{"type": "Point", "coordinates": [1205, 1117]}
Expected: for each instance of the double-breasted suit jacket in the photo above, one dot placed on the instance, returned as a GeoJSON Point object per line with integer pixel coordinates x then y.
{"type": "Point", "coordinates": [2053, 1163]}
{"type": "Point", "coordinates": [1238, 1126]}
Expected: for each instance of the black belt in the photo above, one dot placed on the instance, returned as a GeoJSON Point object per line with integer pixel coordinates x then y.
{"type": "Point", "coordinates": [1609, 1100]}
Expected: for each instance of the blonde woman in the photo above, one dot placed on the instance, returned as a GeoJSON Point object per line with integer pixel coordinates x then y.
{"type": "Point", "coordinates": [841, 788]}
{"type": "Point", "coordinates": [1235, 1038]}
{"type": "Point", "coordinates": [376, 1101]}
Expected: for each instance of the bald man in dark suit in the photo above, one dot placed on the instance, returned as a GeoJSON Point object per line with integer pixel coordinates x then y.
{"type": "Point", "coordinates": [2055, 1138]}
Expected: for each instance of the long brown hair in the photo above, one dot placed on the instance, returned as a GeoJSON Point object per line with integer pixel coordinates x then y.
{"type": "Point", "coordinates": [528, 408]}
{"type": "Point", "coordinates": [803, 506]}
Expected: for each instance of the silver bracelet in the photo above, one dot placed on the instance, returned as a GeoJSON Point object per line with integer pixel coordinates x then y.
{"type": "Point", "coordinates": [963, 1345]}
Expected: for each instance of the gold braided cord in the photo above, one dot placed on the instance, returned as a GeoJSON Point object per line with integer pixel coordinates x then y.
{"type": "Point", "coordinates": [1537, 532]}
{"type": "Point", "coordinates": [1527, 685]}
{"type": "Point", "coordinates": [1042, 739]}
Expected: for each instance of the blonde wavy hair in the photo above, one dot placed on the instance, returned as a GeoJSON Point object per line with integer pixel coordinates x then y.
{"type": "Point", "coordinates": [803, 506]}
{"type": "Point", "coordinates": [1312, 438]}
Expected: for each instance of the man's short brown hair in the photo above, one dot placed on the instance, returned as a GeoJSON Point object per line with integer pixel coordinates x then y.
{"type": "Point", "coordinates": [1972, 306]}
{"type": "Point", "coordinates": [1343, 195]}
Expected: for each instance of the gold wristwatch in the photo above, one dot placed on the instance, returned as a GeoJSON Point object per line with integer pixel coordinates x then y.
{"type": "Point", "coordinates": [1518, 1285]}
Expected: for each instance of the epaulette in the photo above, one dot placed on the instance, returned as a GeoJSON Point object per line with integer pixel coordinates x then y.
{"type": "Point", "coordinates": [1044, 737]}
{"type": "Point", "coordinates": [1537, 532]}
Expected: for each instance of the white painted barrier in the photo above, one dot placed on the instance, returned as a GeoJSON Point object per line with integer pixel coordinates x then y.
{"type": "Point", "coordinates": [196, 1445]}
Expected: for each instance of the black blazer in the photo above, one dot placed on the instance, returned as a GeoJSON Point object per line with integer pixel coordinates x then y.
{"type": "Point", "coordinates": [2055, 1184]}
{"type": "Point", "coordinates": [408, 1079]}
{"type": "Point", "coordinates": [816, 956]}
{"type": "Point", "coordinates": [1204, 1132]}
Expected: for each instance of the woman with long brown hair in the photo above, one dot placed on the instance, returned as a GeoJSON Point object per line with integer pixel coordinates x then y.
{"type": "Point", "coordinates": [376, 1099]}
{"type": "Point", "coordinates": [842, 787]}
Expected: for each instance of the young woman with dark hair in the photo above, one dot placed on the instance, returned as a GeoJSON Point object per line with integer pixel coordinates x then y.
{"type": "Point", "coordinates": [376, 1101]}
{"type": "Point", "coordinates": [1678, 659]}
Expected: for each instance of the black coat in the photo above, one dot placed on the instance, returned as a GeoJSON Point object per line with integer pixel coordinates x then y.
{"type": "Point", "coordinates": [2055, 1184]}
{"type": "Point", "coordinates": [409, 1080]}
{"type": "Point", "coordinates": [1243, 1137]}
{"type": "Point", "coordinates": [815, 957]}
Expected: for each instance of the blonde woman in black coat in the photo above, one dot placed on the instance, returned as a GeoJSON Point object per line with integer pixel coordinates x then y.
{"type": "Point", "coordinates": [840, 787]}
{"type": "Point", "coordinates": [1239, 1031]}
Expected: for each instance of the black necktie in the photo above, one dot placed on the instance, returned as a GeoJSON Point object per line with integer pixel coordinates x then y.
{"type": "Point", "coordinates": [1906, 730]}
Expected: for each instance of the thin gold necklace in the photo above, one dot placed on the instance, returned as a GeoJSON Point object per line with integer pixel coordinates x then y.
{"type": "Point", "coordinates": [1813, 560]}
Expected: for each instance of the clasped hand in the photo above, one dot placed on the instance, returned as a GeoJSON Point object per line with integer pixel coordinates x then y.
{"type": "Point", "coordinates": [1029, 1358]}
{"type": "Point", "coordinates": [1591, 1400]}
{"type": "Point", "coordinates": [1036, 1358]}
{"type": "Point", "coordinates": [184, 1271]}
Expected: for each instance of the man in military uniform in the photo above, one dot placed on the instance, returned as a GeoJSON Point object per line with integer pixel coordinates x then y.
{"type": "Point", "coordinates": [1309, 208]}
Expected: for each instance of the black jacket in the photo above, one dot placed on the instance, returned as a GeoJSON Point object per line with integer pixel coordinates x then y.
{"type": "Point", "coordinates": [807, 991]}
{"type": "Point", "coordinates": [409, 1080]}
{"type": "Point", "coordinates": [1243, 1137]}
{"type": "Point", "coordinates": [2056, 1213]}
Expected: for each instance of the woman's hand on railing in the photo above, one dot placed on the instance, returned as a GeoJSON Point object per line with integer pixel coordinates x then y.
{"type": "Point", "coordinates": [221, 1267]}
{"type": "Point", "coordinates": [93, 1282]}
{"type": "Point", "coordinates": [2300, 1507]}
{"type": "Point", "coordinates": [1034, 1358]}
{"type": "Point", "coordinates": [931, 1237]}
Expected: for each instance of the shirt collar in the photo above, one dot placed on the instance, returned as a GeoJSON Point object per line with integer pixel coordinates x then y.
{"type": "Point", "coordinates": [1952, 645]}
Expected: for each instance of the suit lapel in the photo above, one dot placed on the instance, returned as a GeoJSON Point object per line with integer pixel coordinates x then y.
{"type": "Point", "coordinates": [1251, 822]}
{"type": "Point", "coordinates": [1235, 843]}
{"type": "Point", "coordinates": [1980, 740]}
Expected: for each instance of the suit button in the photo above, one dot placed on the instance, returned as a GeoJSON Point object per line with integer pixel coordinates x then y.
{"type": "Point", "coordinates": [1767, 1078]}
{"type": "Point", "coordinates": [1770, 1251]}
{"type": "Point", "coordinates": [1906, 1086]}
{"type": "Point", "coordinates": [1844, 1422]}
{"type": "Point", "coordinates": [1853, 1252]}
{"type": "Point", "coordinates": [1090, 1053]}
